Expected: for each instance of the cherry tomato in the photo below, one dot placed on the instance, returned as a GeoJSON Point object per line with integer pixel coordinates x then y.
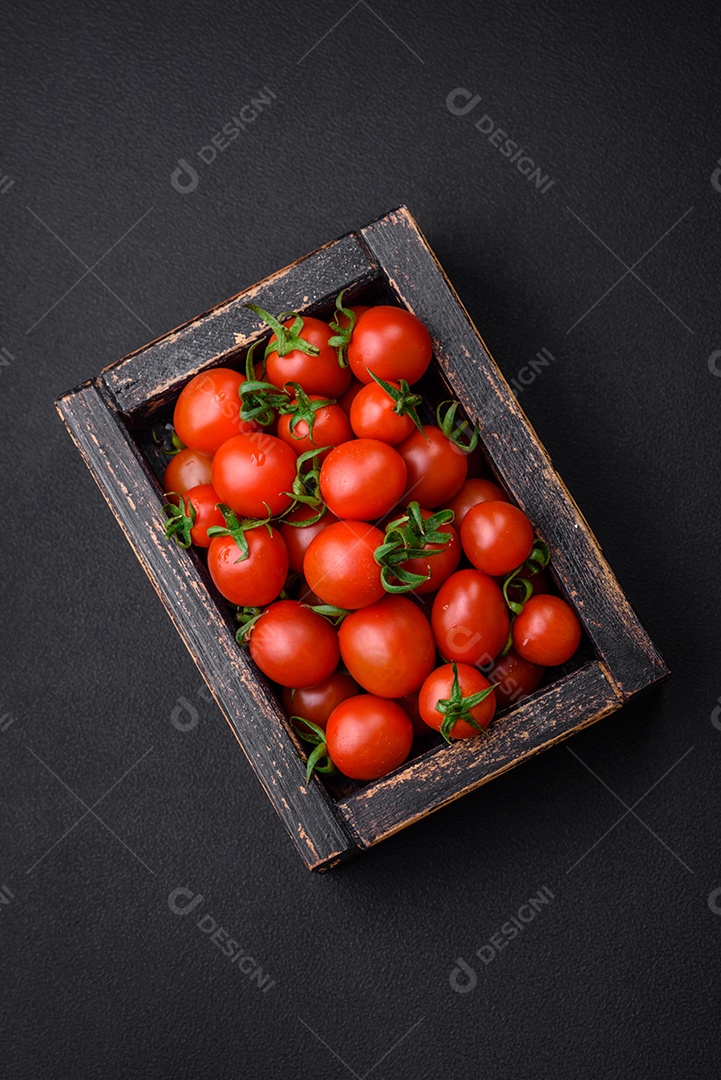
{"type": "Point", "coordinates": [497, 537]}
{"type": "Point", "coordinates": [252, 470]}
{"type": "Point", "coordinates": [372, 416]}
{"type": "Point", "coordinates": [321, 374]}
{"type": "Point", "coordinates": [293, 645]}
{"type": "Point", "coordinates": [388, 647]}
{"type": "Point", "coordinates": [346, 402]}
{"type": "Point", "coordinates": [547, 631]}
{"type": "Point", "coordinates": [439, 566]}
{"type": "Point", "coordinates": [330, 428]}
{"type": "Point", "coordinates": [298, 537]}
{"type": "Point", "coordinates": [391, 342]}
{"type": "Point", "coordinates": [205, 503]}
{"type": "Point", "coordinates": [436, 467]}
{"type": "Point", "coordinates": [514, 678]}
{"type": "Point", "coordinates": [339, 565]}
{"type": "Point", "coordinates": [409, 704]}
{"type": "Point", "coordinates": [187, 469]}
{"type": "Point", "coordinates": [362, 480]}
{"type": "Point", "coordinates": [207, 413]}
{"type": "Point", "coordinates": [473, 492]}
{"type": "Point", "coordinates": [470, 618]}
{"type": "Point", "coordinates": [368, 736]}
{"type": "Point", "coordinates": [256, 580]}
{"type": "Point", "coordinates": [316, 703]}
{"type": "Point", "coordinates": [438, 687]}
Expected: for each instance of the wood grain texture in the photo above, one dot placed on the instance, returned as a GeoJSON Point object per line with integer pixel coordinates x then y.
{"type": "Point", "coordinates": [448, 772]}
{"type": "Point", "coordinates": [247, 701]}
{"type": "Point", "coordinates": [516, 452]}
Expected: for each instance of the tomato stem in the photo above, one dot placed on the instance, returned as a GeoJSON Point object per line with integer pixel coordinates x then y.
{"type": "Point", "coordinates": [180, 518]}
{"type": "Point", "coordinates": [306, 486]}
{"type": "Point", "coordinates": [314, 736]}
{"type": "Point", "coordinates": [300, 407]}
{"type": "Point", "coordinates": [176, 444]}
{"type": "Point", "coordinates": [342, 335]}
{"type": "Point", "coordinates": [461, 433]}
{"type": "Point", "coordinates": [287, 338]}
{"type": "Point", "coordinates": [405, 401]}
{"type": "Point", "coordinates": [457, 707]}
{"type": "Point", "coordinates": [237, 529]}
{"type": "Point", "coordinates": [409, 537]}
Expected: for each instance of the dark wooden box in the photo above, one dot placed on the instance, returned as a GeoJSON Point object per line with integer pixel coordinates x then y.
{"type": "Point", "coordinates": [109, 419]}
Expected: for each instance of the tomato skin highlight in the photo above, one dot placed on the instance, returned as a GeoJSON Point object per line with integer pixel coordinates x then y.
{"type": "Point", "coordinates": [187, 469]}
{"type": "Point", "coordinates": [474, 491]}
{"type": "Point", "coordinates": [321, 374]}
{"type": "Point", "coordinates": [207, 412]}
{"type": "Point", "coordinates": [497, 537]}
{"type": "Point", "coordinates": [298, 538]}
{"type": "Point", "coordinates": [362, 480]}
{"type": "Point", "coordinates": [316, 703]}
{"type": "Point", "coordinates": [515, 677]}
{"type": "Point", "coordinates": [391, 342]}
{"type": "Point", "coordinates": [388, 647]}
{"type": "Point", "coordinates": [547, 631]}
{"type": "Point", "coordinates": [437, 687]}
{"type": "Point", "coordinates": [204, 500]}
{"type": "Point", "coordinates": [368, 736]}
{"type": "Point", "coordinates": [470, 618]}
{"type": "Point", "coordinates": [372, 416]}
{"type": "Point", "coordinates": [252, 470]}
{"type": "Point", "coordinates": [293, 645]}
{"type": "Point", "coordinates": [331, 427]}
{"type": "Point", "coordinates": [436, 468]}
{"type": "Point", "coordinates": [339, 566]}
{"type": "Point", "coordinates": [251, 582]}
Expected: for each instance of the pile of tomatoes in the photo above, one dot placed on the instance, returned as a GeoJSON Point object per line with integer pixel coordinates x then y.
{"type": "Point", "coordinates": [385, 586]}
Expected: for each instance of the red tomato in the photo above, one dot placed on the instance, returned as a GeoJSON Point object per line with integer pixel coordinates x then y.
{"type": "Point", "coordinates": [256, 580]}
{"type": "Point", "coordinates": [547, 631]}
{"type": "Point", "coordinates": [346, 402]}
{"type": "Point", "coordinates": [205, 502]}
{"type": "Point", "coordinates": [252, 470]}
{"type": "Point", "coordinates": [409, 704]}
{"type": "Point", "coordinates": [438, 687]}
{"type": "Point", "coordinates": [436, 467]}
{"type": "Point", "coordinates": [392, 343]}
{"type": "Point", "coordinates": [473, 492]}
{"type": "Point", "coordinates": [187, 469]}
{"type": "Point", "coordinates": [515, 678]}
{"type": "Point", "coordinates": [388, 647]}
{"type": "Point", "coordinates": [470, 618]}
{"type": "Point", "coordinates": [440, 566]}
{"type": "Point", "coordinates": [316, 703]}
{"type": "Point", "coordinates": [207, 413]}
{"type": "Point", "coordinates": [293, 645]}
{"type": "Point", "coordinates": [362, 480]}
{"type": "Point", "coordinates": [298, 537]}
{"type": "Point", "coordinates": [373, 416]}
{"type": "Point", "coordinates": [330, 428]}
{"type": "Point", "coordinates": [497, 537]}
{"type": "Point", "coordinates": [339, 565]}
{"type": "Point", "coordinates": [321, 374]}
{"type": "Point", "coordinates": [368, 736]}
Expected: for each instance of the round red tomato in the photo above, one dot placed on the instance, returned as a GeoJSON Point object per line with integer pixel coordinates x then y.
{"type": "Point", "coordinates": [339, 565]}
{"type": "Point", "coordinates": [320, 374]}
{"type": "Point", "coordinates": [207, 413]}
{"type": "Point", "coordinates": [204, 501]}
{"type": "Point", "coordinates": [391, 342]}
{"type": "Point", "coordinates": [368, 736]}
{"type": "Point", "coordinates": [515, 678]}
{"type": "Point", "coordinates": [439, 687]}
{"type": "Point", "coordinates": [250, 471]}
{"type": "Point", "coordinates": [331, 427]}
{"type": "Point", "coordinates": [388, 647]}
{"type": "Point", "coordinates": [187, 469]}
{"type": "Point", "coordinates": [298, 538]}
{"type": "Point", "coordinates": [362, 480]}
{"type": "Point", "coordinates": [497, 537]}
{"type": "Point", "coordinates": [436, 467]}
{"type": "Point", "coordinates": [373, 416]}
{"type": "Point", "coordinates": [470, 618]}
{"type": "Point", "coordinates": [256, 580]}
{"type": "Point", "coordinates": [547, 631]}
{"type": "Point", "coordinates": [439, 566]}
{"type": "Point", "coordinates": [316, 703]}
{"type": "Point", "coordinates": [473, 492]}
{"type": "Point", "coordinates": [293, 645]}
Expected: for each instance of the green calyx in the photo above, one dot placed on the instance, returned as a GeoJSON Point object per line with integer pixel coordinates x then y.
{"type": "Point", "coordinates": [461, 433]}
{"type": "Point", "coordinates": [409, 537]}
{"type": "Point", "coordinates": [288, 338]}
{"type": "Point", "coordinates": [179, 519]}
{"type": "Point", "coordinates": [334, 615]}
{"type": "Point", "coordinates": [306, 487]}
{"type": "Point", "coordinates": [259, 400]}
{"type": "Point", "coordinates": [247, 617]}
{"type": "Point", "coordinates": [518, 580]}
{"type": "Point", "coordinates": [318, 760]}
{"type": "Point", "coordinates": [300, 407]}
{"type": "Point", "coordinates": [342, 335]}
{"type": "Point", "coordinates": [456, 707]}
{"type": "Point", "coordinates": [237, 529]}
{"type": "Point", "coordinates": [176, 444]}
{"type": "Point", "coordinates": [405, 402]}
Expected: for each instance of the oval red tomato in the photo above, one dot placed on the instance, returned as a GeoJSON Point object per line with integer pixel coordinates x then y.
{"type": "Point", "coordinates": [391, 342]}
{"type": "Point", "coordinates": [438, 687]}
{"type": "Point", "coordinates": [316, 703]}
{"type": "Point", "coordinates": [368, 736]}
{"type": "Point", "coordinates": [497, 537]}
{"type": "Point", "coordinates": [362, 480]}
{"type": "Point", "coordinates": [298, 538]}
{"type": "Point", "coordinates": [251, 582]}
{"type": "Point", "coordinates": [252, 473]}
{"type": "Point", "coordinates": [474, 491]}
{"type": "Point", "coordinates": [331, 427]}
{"type": "Point", "coordinates": [470, 618]}
{"type": "Point", "coordinates": [547, 631]}
{"type": "Point", "coordinates": [207, 413]}
{"type": "Point", "coordinates": [373, 416]}
{"type": "Point", "coordinates": [293, 645]}
{"type": "Point", "coordinates": [388, 647]}
{"type": "Point", "coordinates": [187, 469]}
{"type": "Point", "coordinates": [320, 374]}
{"type": "Point", "coordinates": [340, 568]}
{"type": "Point", "coordinates": [204, 501]}
{"type": "Point", "coordinates": [436, 467]}
{"type": "Point", "coordinates": [515, 677]}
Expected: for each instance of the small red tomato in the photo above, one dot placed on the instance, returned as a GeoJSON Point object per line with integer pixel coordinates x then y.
{"type": "Point", "coordinates": [256, 580]}
{"type": "Point", "coordinates": [514, 678]}
{"type": "Point", "coordinates": [470, 618]}
{"type": "Point", "coordinates": [368, 736]}
{"type": "Point", "coordinates": [362, 480]}
{"type": "Point", "coordinates": [547, 631]}
{"type": "Point", "coordinates": [207, 413]}
{"type": "Point", "coordinates": [339, 565]}
{"type": "Point", "coordinates": [373, 415]}
{"type": "Point", "coordinates": [316, 703]}
{"type": "Point", "coordinates": [390, 342]}
{"type": "Point", "coordinates": [473, 492]}
{"type": "Point", "coordinates": [388, 647]}
{"type": "Point", "coordinates": [409, 704]}
{"type": "Point", "coordinates": [331, 427]}
{"type": "Point", "coordinates": [439, 687]}
{"type": "Point", "coordinates": [298, 537]}
{"type": "Point", "coordinates": [293, 645]}
{"type": "Point", "coordinates": [436, 467]}
{"type": "Point", "coordinates": [187, 469]}
{"type": "Point", "coordinates": [319, 374]}
{"type": "Point", "coordinates": [497, 537]}
{"type": "Point", "coordinates": [346, 402]}
{"type": "Point", "coordinates": [205, 501]}
{"type": "Point", "coordinates": [252, 473]}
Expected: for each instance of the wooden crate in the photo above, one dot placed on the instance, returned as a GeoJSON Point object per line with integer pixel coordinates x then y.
{"type": "Point", "coordinates": [109, 417]}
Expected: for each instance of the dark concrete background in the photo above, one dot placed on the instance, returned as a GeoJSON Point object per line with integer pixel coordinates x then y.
{"type": "Point", "coordinates": [618, 975]}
